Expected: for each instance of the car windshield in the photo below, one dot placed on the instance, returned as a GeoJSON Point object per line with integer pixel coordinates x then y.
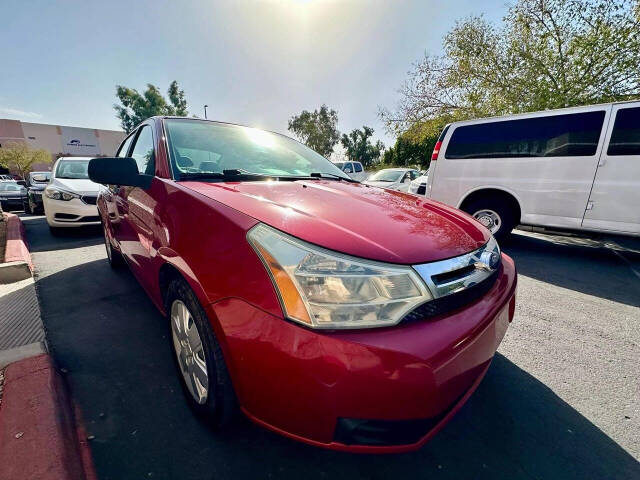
{"type": "Point", "coordinates": [386, 176]}
{"type": "Point", "coordinates": [40, 177]}
{"type": "Point", "coordinates": [72, 169]}
{"type": "Point", "coordinates": [201, 147]}
{"type": "Point", "coordinates": [339, 165]}
{"type": "Point", "coordinates": [9, 187]}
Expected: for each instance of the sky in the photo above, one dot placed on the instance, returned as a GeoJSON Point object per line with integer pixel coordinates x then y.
{"type": "Point", "coordinates": [254, 62]}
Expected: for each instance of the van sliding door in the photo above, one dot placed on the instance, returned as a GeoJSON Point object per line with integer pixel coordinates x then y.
{"type": "Point", "coordinates": [614, 203]}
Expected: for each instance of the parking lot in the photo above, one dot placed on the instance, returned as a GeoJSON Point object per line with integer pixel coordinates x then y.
{"type": "Point", "coordinates": [561, 399]}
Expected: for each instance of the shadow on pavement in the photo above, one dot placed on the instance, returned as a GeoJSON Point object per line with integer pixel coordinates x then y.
{"type": "Point", "coordinates": [116, 349]}
{"type": "Point", "coordinates": [561, 261]}
{"type": "Point", "coordinates": [41, 239]}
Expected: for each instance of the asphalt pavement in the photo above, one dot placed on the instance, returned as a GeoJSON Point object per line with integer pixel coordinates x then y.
{"type": "Point", "coordinates": [561, 399]}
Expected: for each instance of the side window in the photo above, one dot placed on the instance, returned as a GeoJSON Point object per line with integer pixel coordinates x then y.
{"type": "Point", "coordinates": [413, 174]}
{"type": "Point", "coordinates": [124, 148]}
{"type": "Point", "coordinates": [143, 152]}
{"type": "Point", "coordinates": [358, 167]}
{"type": "Point", "coordinates": [625, 138]}
{"type": "Point", "coordinates": [570, 135]}
{"type": "Point", "coordinates": [348, 168]}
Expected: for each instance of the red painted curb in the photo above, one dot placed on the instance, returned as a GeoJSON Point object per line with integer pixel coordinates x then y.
{"type": "Point", "coordinates": [17, 249]}
{"type": "Point", "coordinates": [38, 429]}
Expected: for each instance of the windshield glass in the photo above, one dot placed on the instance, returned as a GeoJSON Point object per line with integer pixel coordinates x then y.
{"type": "Point", "coordinates": [206, 147]}
{"type": "Point", "coordinates": [339, 165]}
{"type": "Point", "coordinates": [72, 169]}
{"type": "Point", "coordinates": [9, 187]}
{"type": "Point", "coordinates": [40, 177]}
{"type": "Point", "coordinates": [386, 176]}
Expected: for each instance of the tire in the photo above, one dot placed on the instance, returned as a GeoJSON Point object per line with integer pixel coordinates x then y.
{"type": "Point", "coordinates": [114, 257]}
{"type": "Point", "coordinates": [219, 406]}
{"type": "Point", "coordinates": [494, 212]}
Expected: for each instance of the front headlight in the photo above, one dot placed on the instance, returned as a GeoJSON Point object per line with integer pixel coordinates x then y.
{"type": "Point", "coordinates": [56, 194]}
{"type": "Point", "coordinates": [324, 289]}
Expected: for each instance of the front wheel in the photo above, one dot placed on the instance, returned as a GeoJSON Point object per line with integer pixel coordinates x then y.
{"type": "Point", "coordinates": [113, 256]}
{"type": "Point", "coordinates": [203, 371]}
{"type": "Point", "coordinates": [493, 213]}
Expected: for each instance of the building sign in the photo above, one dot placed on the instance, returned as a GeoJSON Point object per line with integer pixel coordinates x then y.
{"type": "Point", "coordinates": [79, 141]}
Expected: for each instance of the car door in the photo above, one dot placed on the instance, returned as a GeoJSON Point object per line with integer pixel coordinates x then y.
{"type": "Point", "coordinates": [358, 172]}
{"type": "Point", "coordinates": [614, 202]}
{"type": "Point", "coordinates": [136, 209]}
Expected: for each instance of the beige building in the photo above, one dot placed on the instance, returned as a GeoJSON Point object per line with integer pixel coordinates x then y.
{"type": "Point", "coordinates": [60, 140]}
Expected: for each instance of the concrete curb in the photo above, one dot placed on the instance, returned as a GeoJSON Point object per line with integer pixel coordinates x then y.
{"type": "Point", "coordinates": [39, 431]}
{"type": "Point", "coordinates": [18, 264]}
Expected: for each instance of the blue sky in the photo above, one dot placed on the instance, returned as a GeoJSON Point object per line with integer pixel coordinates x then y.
{"type": "Point", "coordinates": [255, 62]}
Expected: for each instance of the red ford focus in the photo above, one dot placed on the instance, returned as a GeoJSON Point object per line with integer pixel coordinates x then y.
{"type": "Point", "coordinates": [342, 315]}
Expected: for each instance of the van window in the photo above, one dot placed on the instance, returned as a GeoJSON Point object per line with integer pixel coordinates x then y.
{"type": "Point", "coordinates": [358, 167]}
{"type": "Point", "coordinates": [570, 135]}
{"type": "Point", "coordinates": [625, 138]}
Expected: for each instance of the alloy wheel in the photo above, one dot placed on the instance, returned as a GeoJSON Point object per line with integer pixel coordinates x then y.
{"type": "Point", "coordinates": [189, 351]}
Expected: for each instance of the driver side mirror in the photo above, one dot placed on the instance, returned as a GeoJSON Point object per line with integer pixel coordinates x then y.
{"type": "Point", "coordinates": [121, 171]}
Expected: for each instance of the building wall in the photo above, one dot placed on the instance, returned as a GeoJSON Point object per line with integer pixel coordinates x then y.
{"type": "Point", "coordinates": [60, 140]}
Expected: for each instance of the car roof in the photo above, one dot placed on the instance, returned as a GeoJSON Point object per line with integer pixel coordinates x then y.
{"type": "Point", "coordinates": [72, 158]}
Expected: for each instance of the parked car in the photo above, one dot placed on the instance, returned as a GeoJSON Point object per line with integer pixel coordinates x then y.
{"type": "Point", "coordinates": [6, 178]}
{"type": "Point", "coordinates": [354, 169]}
{"type": "Point", "coordinates": [11, 195]}
{"type": "Point", "coordinates": [352, 332]}
{"type": "Point", "coordinates": [70, 197]}
{"type": "Point", "coordinates": [36, 183]}
{"type": "Point", "coordinates": [573, 168]}
{"type": "Point", "coordinates": [419, 185]}
{"type": "Point", "coordinates": [393, 178]}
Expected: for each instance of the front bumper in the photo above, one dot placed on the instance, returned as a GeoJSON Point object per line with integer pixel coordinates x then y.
{"type": "Point", "coordinates": [71, 213]}
{"type": "Point", "coordinates": [379, 390]}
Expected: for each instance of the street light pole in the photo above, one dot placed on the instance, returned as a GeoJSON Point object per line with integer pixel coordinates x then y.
{"type": "Point", "coordinates": [205, 111]}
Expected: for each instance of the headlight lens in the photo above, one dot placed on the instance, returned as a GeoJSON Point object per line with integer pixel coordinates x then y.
{"type": "Point", "coordinates": [324, 289]}
{"type": "Point", "coordinates": [56, 194]}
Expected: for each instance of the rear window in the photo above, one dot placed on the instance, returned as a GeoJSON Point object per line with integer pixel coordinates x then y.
{"type": "Point", "coordinates": [569, 135]}
{"type": "Point", "coordinates": [625, 138]}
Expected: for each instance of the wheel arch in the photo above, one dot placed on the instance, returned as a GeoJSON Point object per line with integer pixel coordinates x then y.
{"type": "Point", "coordinates": [505, 193]}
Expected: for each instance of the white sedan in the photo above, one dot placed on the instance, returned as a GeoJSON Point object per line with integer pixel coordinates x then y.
{"type": "Point", "coordinates": [393, 178]}
{"type": "Point", "coordinates": [419, 185]}
{"type": "Point", "coordinates": [70, 198]}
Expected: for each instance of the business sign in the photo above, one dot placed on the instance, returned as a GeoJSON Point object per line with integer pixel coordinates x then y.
{"type": "Point", "coordinates": [79, 141]}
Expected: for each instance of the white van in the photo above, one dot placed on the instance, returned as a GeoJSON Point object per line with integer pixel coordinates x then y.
{"type": "Point", "coordinates": [573, 168]}
{"type": "Point", "coordinates": [353, 169]}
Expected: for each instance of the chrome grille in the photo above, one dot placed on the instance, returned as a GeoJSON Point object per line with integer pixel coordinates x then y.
{"type": "Point", "coordinates": [457, 281]}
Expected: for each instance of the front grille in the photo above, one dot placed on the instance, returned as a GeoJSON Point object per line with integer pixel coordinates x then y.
{"type": "Point", "coordinates": [422, 189]}
{"type": "Point", "coordinates": [90, 218]}
{"type": "Point", "coordinates": [451, 302]}
{"type": "Point", "coordinates": [89, 199]}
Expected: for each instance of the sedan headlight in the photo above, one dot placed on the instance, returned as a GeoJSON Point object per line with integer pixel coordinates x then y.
{"type": "Point", "coordinates": [324, 289]}
{"type": "Point", "coordinates": [56, 194]}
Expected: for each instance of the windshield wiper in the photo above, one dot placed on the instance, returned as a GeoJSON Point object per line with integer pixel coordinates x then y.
{"type": "Point", "coordinates": [332, 176]}
{"type": "Point", "coordinates": [234, 174]}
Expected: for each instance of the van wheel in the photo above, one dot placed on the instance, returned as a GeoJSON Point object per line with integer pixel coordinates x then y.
{"type": "Point", "coordinates": [494, 213]}
{"type": "Point", "coordinates": [199, 360]}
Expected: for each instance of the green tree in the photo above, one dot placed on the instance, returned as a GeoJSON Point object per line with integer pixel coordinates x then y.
{"type": "Point", "coordinates": [135, 107]}
{"type": "Point", "coordinates": [19, 157]}
{"type": "Point", "coordinates": [546, 54]}
{"type": "Point", "coordinates": [358, 146]}
{"type": "Point", "coordinates": [317, 129]}
{"type": "Point", "coordinates": [415, 146]}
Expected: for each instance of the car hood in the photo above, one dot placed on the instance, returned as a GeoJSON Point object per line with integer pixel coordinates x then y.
{"type": "Point", "coordinates": [355, 219]}
{"type": "Point", "coordinates": [80, 185]}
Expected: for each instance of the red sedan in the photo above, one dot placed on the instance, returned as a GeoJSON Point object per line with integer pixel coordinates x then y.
{"type": "Point", "coordinates": [346, 316]}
